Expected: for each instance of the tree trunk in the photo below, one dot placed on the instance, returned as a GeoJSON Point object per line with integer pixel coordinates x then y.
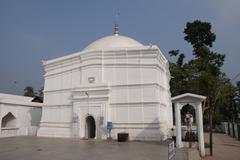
{"type": "Point", "coordinates": [210, 131]}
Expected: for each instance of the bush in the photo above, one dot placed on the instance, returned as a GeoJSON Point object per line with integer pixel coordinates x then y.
{"type": "Point", "coordinates": [206, 145]}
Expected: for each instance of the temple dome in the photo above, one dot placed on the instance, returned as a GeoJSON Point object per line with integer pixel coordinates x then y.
{"type": "Point", "coordinates": [113, 41]}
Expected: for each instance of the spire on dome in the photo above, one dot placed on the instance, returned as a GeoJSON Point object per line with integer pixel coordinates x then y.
{"type": "Point", "coordinates": [116, 26]}
{"type": "Point", "coordinates": [116, 29]}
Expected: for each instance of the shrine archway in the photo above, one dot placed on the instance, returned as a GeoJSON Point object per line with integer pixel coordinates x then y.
{"type": "Point", "coordinates": [195, 101]}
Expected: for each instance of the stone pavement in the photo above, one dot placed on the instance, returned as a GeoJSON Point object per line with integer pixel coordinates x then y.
{"type": "Point", "coordinates": [35, 148]}
{"type": "Point", "coordinates": [224, 147]}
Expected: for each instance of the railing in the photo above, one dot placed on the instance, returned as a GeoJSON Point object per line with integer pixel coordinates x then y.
{"type": "Point", "coordinates": [232, 129]}
{"type": "Point", "coordinates": [187, 135]}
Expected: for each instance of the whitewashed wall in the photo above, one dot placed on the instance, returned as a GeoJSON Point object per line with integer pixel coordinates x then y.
{"type": "Point", "coordinates": [27, 114]}
{"type": "Point", "coordinates": [132, 85]}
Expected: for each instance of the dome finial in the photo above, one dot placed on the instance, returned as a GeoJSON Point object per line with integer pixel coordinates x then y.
{"type": "Point", "coordinates": [116, 26]}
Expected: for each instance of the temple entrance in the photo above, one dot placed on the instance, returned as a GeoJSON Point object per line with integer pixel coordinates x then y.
{"type": "Point", "coordinates": [90, 127]}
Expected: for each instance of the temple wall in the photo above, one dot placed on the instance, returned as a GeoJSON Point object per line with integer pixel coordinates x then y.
{"type": "Point", "coordinates": [19, 116]}
{"type": "Point", "coordinates": [133, 87]}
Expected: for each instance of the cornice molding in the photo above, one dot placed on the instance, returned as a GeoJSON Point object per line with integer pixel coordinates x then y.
{"type": "Point", "coordinates": [19, 103]}
{"type": "Point", "coordinates": [104, 86]}
{"type": "Point", "coordinates": [80, 59]}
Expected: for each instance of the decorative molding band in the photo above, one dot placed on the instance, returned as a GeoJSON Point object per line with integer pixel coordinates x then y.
{"type": "Point", "coordinates": [138, 85]}
{"type": "Point", "coordinates": [82, 54]}
{"type": "Point", "coordinates": [54, 126]}
{"type": "Point", "coordinates": [100, 64]}
{"type": "Point", "coordinates": [134, 103]}
{"type": "Point", "coordinates": [92, 87]}
{"type": "Point", "coordinates": [56, 105]}
{"type": "Point", "coordinates": [19, 103]}
{"type": "Point", "coordinates": [136, 127]}
{"type": "Point", "coordinates": [57, 122]}
{"type": "Point", "coordinates": [104, 86]}
{"type": "Point", "coordinates": [92, 99]}
{"type": "Point", "coordinates": [153, 123]}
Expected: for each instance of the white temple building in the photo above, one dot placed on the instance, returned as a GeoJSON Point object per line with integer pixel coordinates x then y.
{"type": "Point", "coordinates": [114, 79]}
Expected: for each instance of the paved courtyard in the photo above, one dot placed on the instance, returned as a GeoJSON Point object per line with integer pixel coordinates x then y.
{"type": "Point", "coordinates": [35, 148]}
{"type": "Point", "coordinates": [224, 147]}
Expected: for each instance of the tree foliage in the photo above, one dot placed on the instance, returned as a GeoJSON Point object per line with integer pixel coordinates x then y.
{"type": "Point", "coordinates": [199, 34]}
{"type": "Point", "coordinates": [202, 74]}
{"type": "Point", "coordinates": [29, 91]}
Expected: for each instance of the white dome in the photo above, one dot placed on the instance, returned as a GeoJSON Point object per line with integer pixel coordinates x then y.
{"type": "Point", "coordinates": [113, 41]}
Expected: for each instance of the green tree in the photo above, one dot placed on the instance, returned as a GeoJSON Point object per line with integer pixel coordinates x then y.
{"type": "Point", "coordinates": [29, 91]}
{"type": "Point", "coordinates": [202, 74]}
{"type": "Point", "coordinates": [179, 74]}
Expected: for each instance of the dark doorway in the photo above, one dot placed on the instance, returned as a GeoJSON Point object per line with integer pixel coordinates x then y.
{"type": "Point", "coordinates": [90, 127]}
{"type": "Point", "coordinates": [9, 120]}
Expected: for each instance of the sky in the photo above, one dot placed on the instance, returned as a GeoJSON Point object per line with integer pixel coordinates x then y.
{"type": "Point", "coordinates": [36, 30]}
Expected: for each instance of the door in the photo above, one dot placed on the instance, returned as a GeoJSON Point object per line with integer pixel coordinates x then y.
{"type": "Point", "coordinates": [90, 127]}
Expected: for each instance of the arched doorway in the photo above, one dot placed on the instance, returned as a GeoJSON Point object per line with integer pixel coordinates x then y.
{"type": "Point", "coordinates": [90, 127]}
{"type": "Point", "coordinates": [196, 101]}
{"type": "Point", "coordinates": [9, 120]}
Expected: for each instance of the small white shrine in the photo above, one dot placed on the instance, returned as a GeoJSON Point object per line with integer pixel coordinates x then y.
{"type": "Point", "coordinates": [195, 101]}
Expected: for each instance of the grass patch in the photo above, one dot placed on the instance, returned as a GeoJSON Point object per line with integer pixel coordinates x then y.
{"type": "Point", "coordinates": [207, 145]}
